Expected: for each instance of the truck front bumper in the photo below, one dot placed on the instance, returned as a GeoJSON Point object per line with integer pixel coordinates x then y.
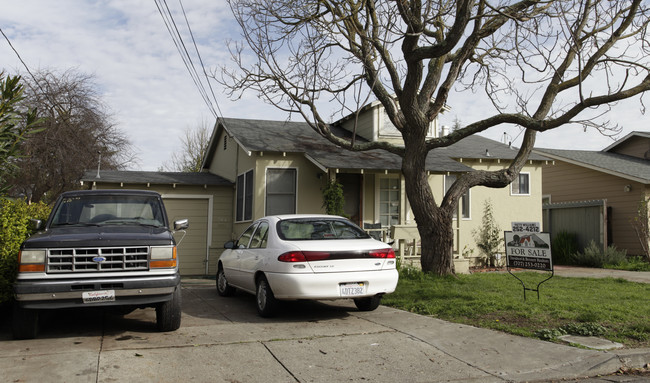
{"type": "Point", "coordinates": [62, 293]}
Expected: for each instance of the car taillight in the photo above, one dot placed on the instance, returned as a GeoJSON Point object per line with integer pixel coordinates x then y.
{"type": "Point", "coordinates": [304, 256]}
{"type": "Point", "coordinates": [292, 256]}
{"type": "Point", "coordinates": [383, 253]}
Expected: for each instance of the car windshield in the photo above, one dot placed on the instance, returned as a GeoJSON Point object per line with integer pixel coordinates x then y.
{"type": "Point", "coordinates": [99, 210]}
{"type": "Point", "coordinates": [304, 229]}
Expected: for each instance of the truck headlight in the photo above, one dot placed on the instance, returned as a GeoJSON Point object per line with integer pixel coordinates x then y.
{"type": "Point", "coordinates": [163, 257]}
{"type": "Point", "coordinates": [31, 261]}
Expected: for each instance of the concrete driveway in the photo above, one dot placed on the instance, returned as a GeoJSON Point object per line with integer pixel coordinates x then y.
{"type": "Point", "coordinates": [224, 340]}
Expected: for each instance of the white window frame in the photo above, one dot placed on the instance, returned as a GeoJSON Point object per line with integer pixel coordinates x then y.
{"type": "Point", "coordinates": [295, 191]}
{"type": "Point", "coordinates": [512, 185]}
{"type": "Point", "coordinates": [244, 206]}
{"type": "Point", "coordinates": [378, 214]}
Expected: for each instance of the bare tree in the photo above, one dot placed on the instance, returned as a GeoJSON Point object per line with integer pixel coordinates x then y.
{"type": "Point", "coordinates": [78, 134]}
{"type": "Point", "coordinates": [194, 146]}
{"type": "Point", "coordinates": [540, 64]}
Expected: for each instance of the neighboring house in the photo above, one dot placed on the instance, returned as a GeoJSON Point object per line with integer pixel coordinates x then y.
{"type": "Point", "coordinates": [281, 167]}
{"type": "Point", "coordinates": [254, 168]}
{"type": "Point", "coordinates": [611, 182]}
{"type": "Point", "coordinates": [204, 198]}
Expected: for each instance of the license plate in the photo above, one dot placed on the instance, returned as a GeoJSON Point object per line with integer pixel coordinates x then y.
{"type": "Point", "coordinates": [98, 296]}
{"type": "Point", "coordinates": [352, 289]}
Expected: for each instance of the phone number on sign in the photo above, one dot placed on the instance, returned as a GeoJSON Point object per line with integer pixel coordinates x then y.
{"type": "Point", "coordinates": [529, 263]}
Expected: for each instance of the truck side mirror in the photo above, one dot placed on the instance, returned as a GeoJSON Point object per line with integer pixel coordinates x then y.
{"type": "Point", "coordinates": [36, 224]}
{"type": "Point", "coordinates": [181, 224]}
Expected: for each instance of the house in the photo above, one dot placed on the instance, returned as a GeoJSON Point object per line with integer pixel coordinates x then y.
{"type": "Point", "coordinates": [597, 193]}
{"type": "Point", "coordinates": [262, 167]}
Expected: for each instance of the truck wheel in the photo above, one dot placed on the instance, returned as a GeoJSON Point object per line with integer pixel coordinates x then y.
{"type": "Point", "coordinates": [168, 314]}
{"type": "Point", "coordinates": [266, 302]}
{"type": "Point", "coordinates": [25, 323]}
{"type": "Point", "coordinates": [368, 303]}
{"type": "Point", "coordinates": [223, 288]}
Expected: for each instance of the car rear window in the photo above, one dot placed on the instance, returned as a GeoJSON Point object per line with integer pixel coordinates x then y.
{"type": "Point", "coordinates": [319, 229]}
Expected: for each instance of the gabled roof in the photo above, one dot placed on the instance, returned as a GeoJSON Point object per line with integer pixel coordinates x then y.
{"type": "Point", "coordinates": [632, 168]}
{"type": "Point", "coordinates": [157, 178]}
{"type": "Point", "coordinates": [299, 137]}
{"type": "Point", "coordinates": [626, 138]}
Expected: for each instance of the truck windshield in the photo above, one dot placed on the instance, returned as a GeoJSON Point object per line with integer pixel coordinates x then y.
{"type": "Point", "coordinates": [109, 210]}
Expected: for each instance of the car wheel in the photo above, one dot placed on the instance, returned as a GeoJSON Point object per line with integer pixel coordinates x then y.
{"type": "Point", "coordinates": [368, 304]}
{"type": "Point", "coordinates": [168, 314]}
{"type": "Point", "coordinates": [223, 288]}
{"type": "Point", "coordinates": [24, 323]}
{"type": "Point", "coordinates": [266, 302]}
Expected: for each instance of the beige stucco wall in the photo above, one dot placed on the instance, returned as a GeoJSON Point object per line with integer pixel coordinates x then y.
{"type": "Point", "coordinates": [506, 207]}
{"type": "Point", "coordinates": [565, 182]}
{"type": "Point", "coordinates": [224, 158]}
{"type": "Point", "coordinates": [310, 181]}
{"type": "Point", "coordinates": [365, 123]}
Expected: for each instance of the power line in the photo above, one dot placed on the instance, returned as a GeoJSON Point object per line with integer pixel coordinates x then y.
{"type": "Point", "coordinates": [177, 38]}
{"type": "Point", "coordinates": [55, 104]}
{"type": "Point", "coordinates": [200, 59]}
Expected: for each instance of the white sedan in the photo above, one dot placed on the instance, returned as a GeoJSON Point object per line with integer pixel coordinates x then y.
{"type": "Point", "coordinates": [307, 257]}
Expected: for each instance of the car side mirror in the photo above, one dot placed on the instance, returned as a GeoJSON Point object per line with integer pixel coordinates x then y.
{"type": "Point", "coordinates": [230, 245]}
{"type": "Point", "coordinates": [181, 224]}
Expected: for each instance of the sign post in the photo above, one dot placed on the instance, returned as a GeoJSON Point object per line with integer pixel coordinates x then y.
{"type": "Point", "coordinates": [528, 248]}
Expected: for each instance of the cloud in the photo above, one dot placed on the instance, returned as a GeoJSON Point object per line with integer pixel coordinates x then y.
{"type": "Point", "coordinates": [146, 85]}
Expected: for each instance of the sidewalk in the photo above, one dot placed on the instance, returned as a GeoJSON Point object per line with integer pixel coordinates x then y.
{"type": "Point", "coordinates": [588, 272]}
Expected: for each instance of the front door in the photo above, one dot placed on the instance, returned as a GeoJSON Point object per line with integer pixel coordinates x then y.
{"type": "Point", "coordinates": [352, 193]}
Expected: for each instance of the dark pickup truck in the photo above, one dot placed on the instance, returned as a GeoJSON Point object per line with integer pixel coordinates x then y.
{"type": "Point", "coordinates": [100, 248]}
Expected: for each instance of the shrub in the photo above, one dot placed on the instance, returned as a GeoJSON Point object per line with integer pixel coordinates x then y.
{"type": "Point", "coordinates": [333, 199]}
{"type": "Point", "coordinates": [594, 256]}
{"type": "Point", "coordinates": [489, 237]}
{"type": "Point", "coordinates": [14, 229]}
{"type": "Point", "coordinates": [565, 244]}
{"type": "Point", "coordinates": [634, 263]}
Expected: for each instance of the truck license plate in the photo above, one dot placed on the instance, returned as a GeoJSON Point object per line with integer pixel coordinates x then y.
{"type": "Point", "coordinates": [98, 296]}
{"type": "Point", "coordinates": [352, 289]}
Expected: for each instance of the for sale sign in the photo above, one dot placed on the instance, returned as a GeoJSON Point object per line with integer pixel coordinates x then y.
{"type": "Point", "coordinates": [528, 250]}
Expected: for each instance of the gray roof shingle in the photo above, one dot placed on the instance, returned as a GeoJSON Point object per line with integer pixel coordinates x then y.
{"type": "Point", "coordinates": [159, 178]}
{"type": "Point", "coordinates": [299, 137]}
{"type": "Point", "coordinates": [618, 164]}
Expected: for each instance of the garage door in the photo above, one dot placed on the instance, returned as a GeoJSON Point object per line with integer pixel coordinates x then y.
{"type": "Point", "coordinates": [193, 247]}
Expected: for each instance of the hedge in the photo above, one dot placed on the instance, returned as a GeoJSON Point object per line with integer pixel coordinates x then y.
{"type": "Point", "coordinates": [14, 229]}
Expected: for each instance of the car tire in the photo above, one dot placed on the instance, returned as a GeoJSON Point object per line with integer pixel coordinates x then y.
{"type": "Point", "coordinates": [168, 314]}
{"type": "Point", "coordinates": [223, 288]}
{"type": "Point", "coordinates": [266, 303]}
{"type": "Point", "coordinates": [368, 303]}
{"type": "Point", "coordinates": [24, 323]}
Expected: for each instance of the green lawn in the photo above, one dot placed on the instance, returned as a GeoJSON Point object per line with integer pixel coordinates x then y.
{"type": "Point", "coordinates": [614, 309]}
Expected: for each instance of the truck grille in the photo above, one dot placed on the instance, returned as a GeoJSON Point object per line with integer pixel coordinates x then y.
{"type": "Point", "coordinates": [103, 259]}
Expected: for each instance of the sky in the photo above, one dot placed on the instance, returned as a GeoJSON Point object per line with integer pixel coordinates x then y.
{"type": "Point", "coordinates": [150, 93]}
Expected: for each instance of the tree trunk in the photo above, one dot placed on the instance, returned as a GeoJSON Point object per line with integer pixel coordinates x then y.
{"type": "Point", "coordinates": [437, 239]}
{"type": "Point", "coordinates": [435, 225]}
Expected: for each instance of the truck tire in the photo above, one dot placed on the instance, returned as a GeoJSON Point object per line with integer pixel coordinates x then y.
{"type": "Point", "coordinates": [168, 314]}
{"type": "Point", "coordinates": [24, 323]}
